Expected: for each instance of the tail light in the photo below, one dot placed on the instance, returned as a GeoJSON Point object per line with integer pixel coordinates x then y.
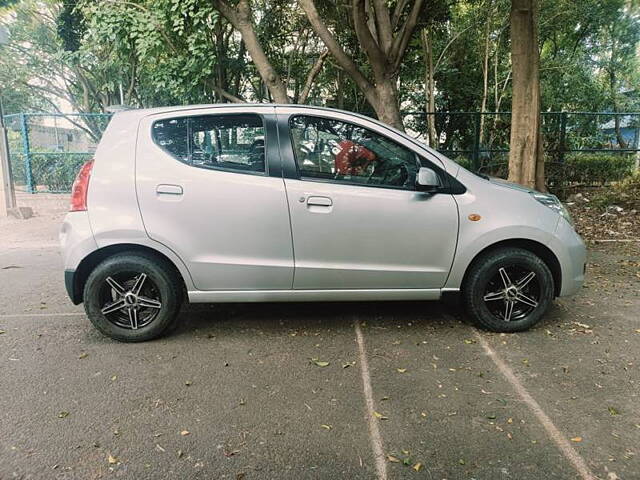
{"type": "Point", "coordinates": [80, 188]}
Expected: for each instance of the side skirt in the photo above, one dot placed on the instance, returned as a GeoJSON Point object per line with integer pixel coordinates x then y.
{"type": "Point", "coordinates": [231, 296]}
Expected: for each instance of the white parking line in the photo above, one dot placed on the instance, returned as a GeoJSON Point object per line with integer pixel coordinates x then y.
{"type": "Point", "coordinates": [17, 315]}
{"type": "Point", "coordinates": [374, 431]}
{"type": "Point", "coordinates": [19, 248]}
{"type": "Point", "coordinates": [558, 438]}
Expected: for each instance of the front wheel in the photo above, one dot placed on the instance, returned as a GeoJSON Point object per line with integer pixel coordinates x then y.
{"type": "Point", "coordinates": [508, 290]}
{"type": "Point", "coordinates": [133, 297]}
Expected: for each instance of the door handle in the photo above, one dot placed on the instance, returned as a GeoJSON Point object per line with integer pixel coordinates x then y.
{"type": "Point", "coordinates": [319, 201]}
{"type": "Point", "coordinates": [166, 189]}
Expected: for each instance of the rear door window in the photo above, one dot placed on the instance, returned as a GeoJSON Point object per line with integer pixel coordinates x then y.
{"type": "Point", "coordinates": [219, 142]}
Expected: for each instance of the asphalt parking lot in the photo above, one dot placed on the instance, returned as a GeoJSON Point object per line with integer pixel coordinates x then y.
{"type": "Point", "coordinates": [340, 391]}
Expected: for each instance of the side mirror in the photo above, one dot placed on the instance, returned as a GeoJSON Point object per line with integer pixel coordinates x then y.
{"type": "Point", "coordinates": [427, 180]}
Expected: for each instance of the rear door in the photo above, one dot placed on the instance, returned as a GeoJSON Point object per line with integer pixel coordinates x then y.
{"type": "Point", "coordinates": [357, 221]}
{"type": "Point", "coordinates": [204, 191]}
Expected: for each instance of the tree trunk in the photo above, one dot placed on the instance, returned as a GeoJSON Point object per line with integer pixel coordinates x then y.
{"type": "Point", "coordinates": [221, 81]}
{"type": "Point", "coordinates": [311, 76]}
{"type": "Point", "coordinates": [240, 17]}
{"type": "Point", "coordinates": [614, 103]}
{"type": "Point", "coordinates": [485, 74]}
{"type": "Point", "coordinates": [386, 103]}
{"type": "Point", "coordinates": [526, 158]}
{"type": "Point", "coordinates": [384, 49]}
{"type": "Point", "coordinates": [340, 90]}
{"type": "Point", "coordinates": [430, 87]}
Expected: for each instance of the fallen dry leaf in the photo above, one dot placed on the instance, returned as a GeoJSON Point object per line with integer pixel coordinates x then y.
{"type": "Point", "coordinates": [417, 467]}
{"type": "Point", "coordinates": [380, 416]}
{"type": "Point", "coordinates": [112, 460]}
{"type": "Point", "coordinates": [184, 433]}
{"type": "Point", "coordinates": [63, 414]}
{"type": "Point", "coordinates": [319, 363]}
{"type": "Point", "coordinates": [401, 370]}
{"type": "Point", "coordinates": [576, 439]}
{"type": "Point", "coordinates": [393, 459]}
{"type": "Point", "coordinates": [83, 355]}
{"type": "Point", "coordinates": [326, 427]}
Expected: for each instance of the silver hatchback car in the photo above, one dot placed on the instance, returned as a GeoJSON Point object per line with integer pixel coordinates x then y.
{"type": "Point", "coordinates": [270, 203]}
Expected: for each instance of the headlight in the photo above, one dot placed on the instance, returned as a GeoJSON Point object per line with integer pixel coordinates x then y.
{"type": "Point", "coordinates": [553, 203]}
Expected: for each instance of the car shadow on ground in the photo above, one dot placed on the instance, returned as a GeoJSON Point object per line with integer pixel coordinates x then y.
{"type": "Point", "coordinates": [277, 318]}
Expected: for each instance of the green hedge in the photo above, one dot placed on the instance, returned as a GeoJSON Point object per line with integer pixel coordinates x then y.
{"type": "Point", "coordinates": [577, 168]}
{"type": "Point", "coordinates": [56, 172]}
{"type": "Point", "coordinates": [597, 168]}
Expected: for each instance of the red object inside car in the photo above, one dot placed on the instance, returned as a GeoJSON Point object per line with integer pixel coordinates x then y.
{"type": "Point", "coordinates": [353, 159]}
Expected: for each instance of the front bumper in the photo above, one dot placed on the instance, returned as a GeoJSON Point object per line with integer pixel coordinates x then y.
{"type": "Point", "coordinates": [572, 255]}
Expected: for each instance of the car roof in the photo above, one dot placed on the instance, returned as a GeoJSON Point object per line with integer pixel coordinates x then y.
{"type": "Point", "coordinates": [144, 112]}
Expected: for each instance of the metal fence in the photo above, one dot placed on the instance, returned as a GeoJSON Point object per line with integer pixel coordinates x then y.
{"type": "Point", "coordinates": [48, 149]}
{"type": "Point", "coordinates": [482, 139]}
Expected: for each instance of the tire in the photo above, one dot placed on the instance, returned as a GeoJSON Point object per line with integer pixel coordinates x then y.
{"type": "Point", "coordinates": [508, 303]}
{"type": "Point", "coordinates": [115, 309]}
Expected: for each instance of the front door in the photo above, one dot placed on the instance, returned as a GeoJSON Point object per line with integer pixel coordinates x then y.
{"type": "Point", "coordinates": [357, 221]}
{"type": "Point", "coordinates": [205, 192]}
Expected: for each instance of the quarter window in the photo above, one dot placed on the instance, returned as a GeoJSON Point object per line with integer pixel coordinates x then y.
{"type": "Point", "coordinates": [344, 152]}
{"type": "Point", "coordinates": [225, 142]}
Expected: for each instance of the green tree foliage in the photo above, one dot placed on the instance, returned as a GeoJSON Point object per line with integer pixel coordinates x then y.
{"type": "Point", "coordinates": [94, 54]}
{"type": "Point", "coordinates": [71, 28]}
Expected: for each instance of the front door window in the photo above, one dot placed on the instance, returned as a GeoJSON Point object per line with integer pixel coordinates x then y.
{"type": "Point", "coordinates": [347, 153]}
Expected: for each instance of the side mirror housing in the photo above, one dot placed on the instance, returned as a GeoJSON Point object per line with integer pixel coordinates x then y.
{"type": "Point", "coordinates": [427, 180]}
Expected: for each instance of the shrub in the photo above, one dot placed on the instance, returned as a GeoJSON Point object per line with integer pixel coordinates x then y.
{"type": "Point", "coordinates": [463, 161]}
{"type": "Point", "coordinates": [595, 168]}
{"type": "Point", "coordinates": [625, 193]}
{"type": "Point", "coordinates": [56, 172]}
{"type": "Point", "coordinates": [496, 167]}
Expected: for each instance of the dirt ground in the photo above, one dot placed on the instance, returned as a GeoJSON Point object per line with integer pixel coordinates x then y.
{"type": "Point", "coordinates": [40, 230]}
{"type": "Point", "coordinates": [378, 390]}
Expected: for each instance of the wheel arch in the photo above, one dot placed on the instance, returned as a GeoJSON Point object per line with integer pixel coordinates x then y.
{"type": "Point", "coordinates": [89, 263]}
{"type": "Point", "coordinates": [537, 248]}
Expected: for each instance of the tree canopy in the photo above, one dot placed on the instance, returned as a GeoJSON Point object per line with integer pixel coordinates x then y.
{"type": "Point", "coordinates": [362, 55]}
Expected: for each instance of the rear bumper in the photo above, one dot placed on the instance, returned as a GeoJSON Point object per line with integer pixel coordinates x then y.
{"type": "Point", "coordinates": [70, 284]}
{"type": "Point", "coordinates": [76, 242]}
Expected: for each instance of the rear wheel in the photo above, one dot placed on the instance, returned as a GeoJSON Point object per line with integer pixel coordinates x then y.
{"type": "Point", "coordinates": [508, 290]}
{"type": "Point", "coordinates": [133, 297]}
